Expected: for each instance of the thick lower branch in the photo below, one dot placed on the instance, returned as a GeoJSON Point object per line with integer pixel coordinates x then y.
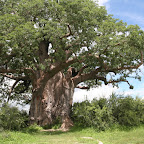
{"type": "Point", "coordinates": [59, 68]}
{"type": "Point", "coordinates": [2, 70]}
{"type": "Point", "coordinates": [83, 87]}
{"type": "Point", "coordinates": [23, 78]}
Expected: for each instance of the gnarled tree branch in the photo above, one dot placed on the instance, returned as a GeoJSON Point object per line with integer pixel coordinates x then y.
{"type": "Point", "coordinates": [68, 34]}
{"type": "Point", "coordinates": [121, 80]}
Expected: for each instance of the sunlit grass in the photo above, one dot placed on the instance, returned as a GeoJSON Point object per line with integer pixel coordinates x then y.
{"type": "Point", "coordinates": [75, 136]}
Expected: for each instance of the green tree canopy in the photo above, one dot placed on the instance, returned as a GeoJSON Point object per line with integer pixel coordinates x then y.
{"type": "Point", "coordinates": [75, 33]}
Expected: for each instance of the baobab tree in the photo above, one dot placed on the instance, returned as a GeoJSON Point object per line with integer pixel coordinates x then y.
{"type": "Point", "coordinates": [49, 47]}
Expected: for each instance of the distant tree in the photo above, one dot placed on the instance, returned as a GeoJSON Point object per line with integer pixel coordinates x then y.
{"type": "Point", "coordinates": [50, 46]}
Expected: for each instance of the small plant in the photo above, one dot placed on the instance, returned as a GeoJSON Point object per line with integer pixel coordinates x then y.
{"type": "Point", "coordinates": [56, 124]}
{"type": "Point", "coordinates": [33, 128]}
{"type": "Point", "coordinates": [5, 137]}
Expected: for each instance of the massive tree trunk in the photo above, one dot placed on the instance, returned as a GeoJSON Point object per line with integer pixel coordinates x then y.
{"type": "Point", "coordinates": [52, 101]}
{"type": "Point", "coordinates": [52, 92]}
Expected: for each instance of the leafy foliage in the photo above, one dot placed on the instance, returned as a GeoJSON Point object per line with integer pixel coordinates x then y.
{"type": "Point", "coordinates": [41, 38]}
{"type": "Point", "coordinates": [12, 119]}
{"type": "Point", "coordinates": [128, 111]}
{"type": "Point", "coordinates": [33, 128]}
{"type": "Point", "coordinates": [105, 113]}
{"type": "Point", "coordinates": [95, 114]}
{"type": "Point", "coordinates": [77, 29]}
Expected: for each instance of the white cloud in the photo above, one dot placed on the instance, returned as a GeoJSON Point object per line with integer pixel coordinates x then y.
{"type": "Point", "coordinates": [103, 91]}
{"type": "Point", "coordinates": [134, 17]}
{"type": "Point", "coordinates": [102, 2]}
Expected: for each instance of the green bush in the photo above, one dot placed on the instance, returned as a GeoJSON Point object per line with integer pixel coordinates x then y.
{"type": "Point", "coordinates": [12, 119]}
{"type": "Point", "coordinates": [128, 111]}
{"type": "Point", "coordinates": [95, 114]}
{"type": "Point", "coordinates": [139, 108]}
{"type": "Point", "coordinates": [105, 113]}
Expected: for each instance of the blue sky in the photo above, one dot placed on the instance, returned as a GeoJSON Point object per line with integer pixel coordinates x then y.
{"type": "Point", "coordinates": [131, 12]}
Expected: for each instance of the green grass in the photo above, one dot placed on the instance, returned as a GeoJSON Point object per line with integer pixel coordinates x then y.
{"type": "Point", "coordinates": [75, 136]}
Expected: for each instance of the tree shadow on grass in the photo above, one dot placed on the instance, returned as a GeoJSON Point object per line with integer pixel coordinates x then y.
{"type": "Point", "coordinates": [58, 131]}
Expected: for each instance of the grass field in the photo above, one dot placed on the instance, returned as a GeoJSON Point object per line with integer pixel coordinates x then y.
{"type": "Point", "coordinates": [75, 136]}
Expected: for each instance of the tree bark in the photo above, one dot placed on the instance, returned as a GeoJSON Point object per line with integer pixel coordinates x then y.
{"type": "Point", "coordinates": [53, 101]}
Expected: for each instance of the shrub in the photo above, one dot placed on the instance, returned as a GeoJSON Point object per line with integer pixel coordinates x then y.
{"type": "Point", "coordinates": [139, 108]}
{"type": "Point", "coordinates": [105, 113]}
{"type": "Point", "coordinates": [12, 119]}
{"type": "Point", "coordinates": [95, 114]}
{"type": "Point", "coordinates": [128, 111]}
